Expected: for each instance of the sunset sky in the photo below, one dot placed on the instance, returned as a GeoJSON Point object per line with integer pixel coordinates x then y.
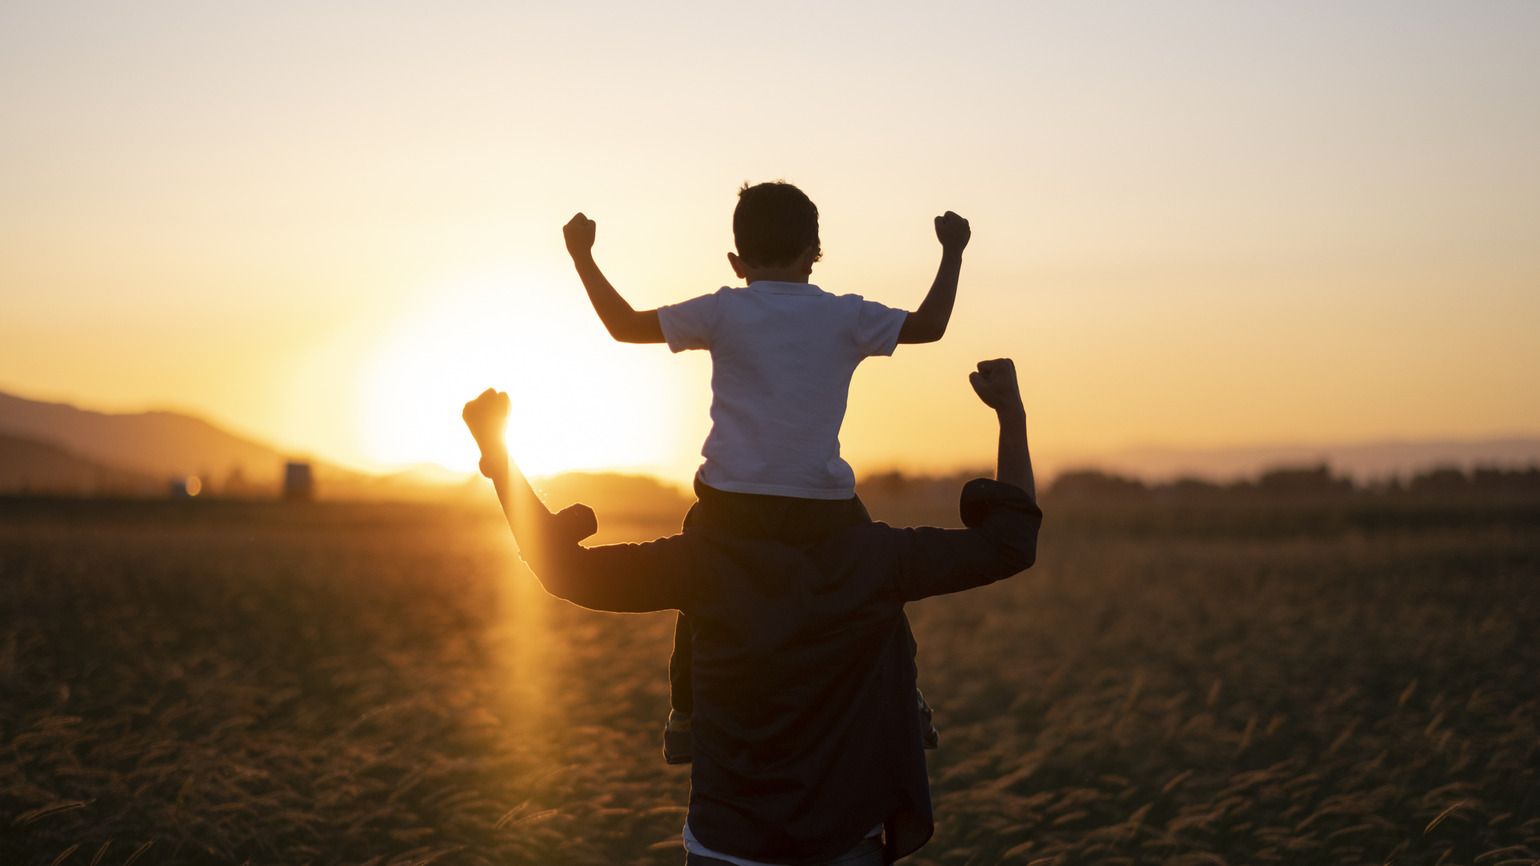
{"type": "Point", "coordinates": [330, 224]}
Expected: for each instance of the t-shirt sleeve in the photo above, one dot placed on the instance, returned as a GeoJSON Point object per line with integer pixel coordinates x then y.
{"type": "Point", "coordinates": [877, 328]}
{"type": "Point", "coordinates": [1001, 540]}
{"type": "Point", "coordinates": [690, 324]}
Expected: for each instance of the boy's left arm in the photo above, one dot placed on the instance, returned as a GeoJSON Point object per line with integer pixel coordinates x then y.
{"type": "Point", "coordinates": [928, 323]}
{"type": "Point", "coordinates": [624, 323]}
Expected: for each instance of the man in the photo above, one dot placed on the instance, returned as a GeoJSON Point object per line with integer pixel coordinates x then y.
{"type": "Point", "coordinates": [807, 749]}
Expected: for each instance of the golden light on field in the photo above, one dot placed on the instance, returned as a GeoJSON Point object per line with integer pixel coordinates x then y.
{"type": "Point", "coordinates": [579, 401]}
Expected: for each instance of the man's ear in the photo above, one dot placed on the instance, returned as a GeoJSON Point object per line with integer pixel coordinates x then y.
{"type": "Point", "coordinates": [737, 263]}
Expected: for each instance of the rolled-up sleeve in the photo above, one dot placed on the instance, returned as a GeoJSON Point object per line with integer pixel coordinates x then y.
{"type": "Point", "coordinates": [1000, 540]}
{"type": "Point", "coordinates": [622, 578]}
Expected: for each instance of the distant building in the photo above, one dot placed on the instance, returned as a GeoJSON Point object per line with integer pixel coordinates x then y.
{"type": "Point", "coordinates": [298, 481]}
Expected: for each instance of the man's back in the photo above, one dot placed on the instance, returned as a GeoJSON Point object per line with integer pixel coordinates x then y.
{"type": "Point", "coordinates": [805, 729]}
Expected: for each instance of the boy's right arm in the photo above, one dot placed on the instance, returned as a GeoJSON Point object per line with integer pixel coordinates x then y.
{"type": "Point", "coordinates": [624, 323]}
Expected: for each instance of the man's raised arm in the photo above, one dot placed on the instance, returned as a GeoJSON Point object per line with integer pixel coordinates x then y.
{"type": "Point", "coordinates": [1001, 515]}
{"type": "Point", "coordinates": [995, 383]}
{"type": "Point", "coordinates": [617, 577]}
{"type": "Point", "coordinates": [624, 323]}
{"type": "Point", "coordinates": [539, 532]}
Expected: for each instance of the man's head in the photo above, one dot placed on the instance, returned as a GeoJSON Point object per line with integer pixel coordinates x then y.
{"type": "Point", "coordinates": [775, 227]}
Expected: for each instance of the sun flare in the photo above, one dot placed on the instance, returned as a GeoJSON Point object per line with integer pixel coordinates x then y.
{"type": "Point", "coordinates": [580, 401]}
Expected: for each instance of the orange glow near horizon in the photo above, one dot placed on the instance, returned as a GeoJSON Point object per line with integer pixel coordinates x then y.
{"type": "Point", "coordinates": [573, 408]}
{"type": "Point", "coordinates": [1183, 235]}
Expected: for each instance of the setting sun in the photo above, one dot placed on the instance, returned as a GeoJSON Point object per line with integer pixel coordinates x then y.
{"type": "Point", "coordinates": [601, 405]}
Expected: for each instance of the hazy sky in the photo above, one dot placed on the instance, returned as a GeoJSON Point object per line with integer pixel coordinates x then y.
{"type": "Point", "coordinates": [330, 224]}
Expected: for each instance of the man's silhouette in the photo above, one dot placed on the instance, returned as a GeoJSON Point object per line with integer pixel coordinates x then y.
{"type": "Point", "coordinates": [806, 747]}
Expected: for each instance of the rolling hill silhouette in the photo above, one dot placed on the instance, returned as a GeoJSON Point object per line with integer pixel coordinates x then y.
{"type": "Point", "coordinates": [157, 444]}
{"type": "Point", "coordinates": [56, 448]}
{"type": "Point", "coordinates": [29, 466]}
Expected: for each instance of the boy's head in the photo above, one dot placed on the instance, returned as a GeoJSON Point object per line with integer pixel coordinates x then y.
{"type": "Point", "coordinates": [775, 225]}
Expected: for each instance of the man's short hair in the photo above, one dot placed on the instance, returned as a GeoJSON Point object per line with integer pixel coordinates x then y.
{"type": "Point", "coordinates": [774, 223]}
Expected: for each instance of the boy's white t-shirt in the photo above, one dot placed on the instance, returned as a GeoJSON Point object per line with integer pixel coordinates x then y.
{"type": "Point", "coordinates": [782, 355]}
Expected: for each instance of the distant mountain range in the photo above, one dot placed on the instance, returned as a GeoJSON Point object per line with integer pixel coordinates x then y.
{"type": "Point", "coordinates": [56, 448]}
{"type": "Point", "coordinates": [59, 448]}
{"type": "Point", "coordinates": [27, 465]}
{"type": "Point", "coordinates": [157, 444]}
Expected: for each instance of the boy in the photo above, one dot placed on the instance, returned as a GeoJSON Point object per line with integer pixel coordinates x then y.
{"type": "Point", "coordinates": [782, 353]}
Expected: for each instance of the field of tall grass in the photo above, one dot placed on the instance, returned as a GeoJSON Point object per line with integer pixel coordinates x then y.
{"type": "Point", "coordinates": [214, 682]}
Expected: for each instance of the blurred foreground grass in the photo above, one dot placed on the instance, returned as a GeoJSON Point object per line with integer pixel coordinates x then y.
{"type": "Point", "coordinates": [201, 682]}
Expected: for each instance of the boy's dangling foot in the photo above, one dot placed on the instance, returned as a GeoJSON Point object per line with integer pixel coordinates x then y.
{"type": "Point", "coordinates": [930, 738]}
{"type": "Point", "coordinates": [676, 738]}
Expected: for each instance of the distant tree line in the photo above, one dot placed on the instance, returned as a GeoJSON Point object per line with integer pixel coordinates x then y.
{"type": "Point", "coordinates": [1293, 483]}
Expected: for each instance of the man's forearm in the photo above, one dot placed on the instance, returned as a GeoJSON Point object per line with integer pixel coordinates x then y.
{"type": "Point", "coordinates": [532, 523]}
{"type": "Point", "coordinates": [538, 532]}
{"type": "Point", "coordinates": [1014, 462]}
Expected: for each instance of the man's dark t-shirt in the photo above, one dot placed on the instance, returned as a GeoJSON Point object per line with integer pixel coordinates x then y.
{"type": "Point", "coordinates": [805, 730]}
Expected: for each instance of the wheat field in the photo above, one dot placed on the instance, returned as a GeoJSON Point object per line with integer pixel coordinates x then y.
{"type": "Point", "coordinates": [216, 682]}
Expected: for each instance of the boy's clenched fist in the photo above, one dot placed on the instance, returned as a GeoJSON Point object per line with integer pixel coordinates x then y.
{"type": "Point", "coordinates": [579, 234]}
{"type": "Point", "coordinates": [953, 232]}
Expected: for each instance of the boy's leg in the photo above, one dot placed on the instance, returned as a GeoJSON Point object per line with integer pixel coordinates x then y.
{"type": "Point", "coordinates": [681, 693]}
{"type": "Point", "coordinates": [676, 734]}
{"type": "Point", "coordinates": [930, 738]}
{"type": "Point", "coordinates": [681, 699]}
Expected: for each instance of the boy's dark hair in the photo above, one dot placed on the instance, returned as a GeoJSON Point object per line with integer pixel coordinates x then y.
{"type": "Point", "coordinates": [774, 223]}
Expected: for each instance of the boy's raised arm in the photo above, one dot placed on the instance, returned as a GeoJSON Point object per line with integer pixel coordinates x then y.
{"type": "Point", "coordinates": [928, 323]}
{"type": "Point", "coordinates": [624, 323]}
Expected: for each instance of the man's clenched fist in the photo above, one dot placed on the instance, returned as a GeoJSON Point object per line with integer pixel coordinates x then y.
{"type": "Point", "coordinates": [487, 418]}
{"type": "Point", "coordinates": [995, 383]}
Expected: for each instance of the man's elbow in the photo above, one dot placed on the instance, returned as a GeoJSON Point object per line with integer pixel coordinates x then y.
{"type": "Point", "coordinates": [1016, 550]}
{"type": "Point", "coordinates": [553, 564]}
{"type": "Point", "coordinates": [1016, 558]}
{"type": "Point", "coordinates": [559, 581]}
{"type": "Point", "coordinates": [1026, 557]}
